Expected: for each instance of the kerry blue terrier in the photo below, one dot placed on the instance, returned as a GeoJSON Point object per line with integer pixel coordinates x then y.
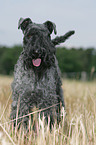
{"type": "Point", "coordinates": [36, 76]}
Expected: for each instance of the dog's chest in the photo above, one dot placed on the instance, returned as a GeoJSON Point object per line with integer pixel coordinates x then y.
{"type": "Point", "coordinates": [29, 79]}
{"type": "Point", "coordinates": [46, 82]}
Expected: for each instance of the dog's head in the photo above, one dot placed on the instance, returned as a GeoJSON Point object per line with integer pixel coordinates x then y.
{"type": "Point", "coordinates": [38, 49]}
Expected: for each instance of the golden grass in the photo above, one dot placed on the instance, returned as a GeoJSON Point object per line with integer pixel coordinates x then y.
{"type": "Point", "coordinates": [80, 101]}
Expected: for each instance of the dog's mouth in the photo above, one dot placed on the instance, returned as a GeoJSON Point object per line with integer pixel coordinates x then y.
{"type": "Point", "coordinates": [36, 62]}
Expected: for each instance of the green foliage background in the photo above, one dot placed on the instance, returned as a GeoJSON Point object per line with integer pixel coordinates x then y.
{"type": "Point", "coordinates": [70, 60]}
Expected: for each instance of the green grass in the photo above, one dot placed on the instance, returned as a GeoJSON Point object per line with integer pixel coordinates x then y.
{"type": "Point", "coordinates": [78, 127]}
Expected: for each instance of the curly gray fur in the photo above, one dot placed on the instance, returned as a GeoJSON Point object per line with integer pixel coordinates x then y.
{"type": "Point", "coordinates": [37, 86]}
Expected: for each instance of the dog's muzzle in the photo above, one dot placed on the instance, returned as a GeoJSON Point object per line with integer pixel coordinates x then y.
{"type": "Point", "coordinates": [36, 61]}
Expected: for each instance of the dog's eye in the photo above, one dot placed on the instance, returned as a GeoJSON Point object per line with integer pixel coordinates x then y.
{"type": "Point", "coordinates": [28, 36]}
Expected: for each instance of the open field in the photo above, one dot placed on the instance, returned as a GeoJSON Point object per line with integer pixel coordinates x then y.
{"type": "Point", "coordinates": [80, 101]}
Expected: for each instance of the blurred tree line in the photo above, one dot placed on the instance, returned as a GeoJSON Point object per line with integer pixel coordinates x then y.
{"type": "Point", "coordinates": [8, 58]}
{"type": "Point", "coordinates": [70, 60]}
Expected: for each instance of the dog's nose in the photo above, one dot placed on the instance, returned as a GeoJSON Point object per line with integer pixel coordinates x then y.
{"type": "Point", "coordinates": [36, 53]}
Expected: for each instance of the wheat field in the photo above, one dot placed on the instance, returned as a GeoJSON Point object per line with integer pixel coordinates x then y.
{"type": "Point", "coordinates": [77, 127]}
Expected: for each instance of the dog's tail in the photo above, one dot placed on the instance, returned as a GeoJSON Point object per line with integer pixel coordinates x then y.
{"type": "Point", "coordinates": [63, 38]}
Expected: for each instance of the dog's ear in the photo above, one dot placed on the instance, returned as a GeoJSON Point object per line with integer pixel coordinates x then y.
{"type": "Point", "coordinates": [23, 23]}
{"type": "Point", "coordinates": [51, 26]}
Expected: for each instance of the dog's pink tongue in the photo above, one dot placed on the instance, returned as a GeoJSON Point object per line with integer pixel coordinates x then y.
{"type": "Point", "coordinates": [36, 62]}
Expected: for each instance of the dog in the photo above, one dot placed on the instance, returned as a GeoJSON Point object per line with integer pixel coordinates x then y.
{"type": "Point", "coordinates": [37, 82]}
